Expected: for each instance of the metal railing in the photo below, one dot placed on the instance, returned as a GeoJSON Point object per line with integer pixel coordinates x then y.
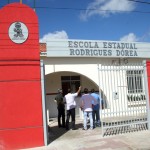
{"type": "Point", "coordinates": [123, 111]}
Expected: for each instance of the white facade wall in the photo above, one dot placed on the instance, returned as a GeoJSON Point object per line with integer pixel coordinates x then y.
{"type": "Point", "coordinates": [57, 67]}
{"type": "Point", "coordinates": [81, 57]}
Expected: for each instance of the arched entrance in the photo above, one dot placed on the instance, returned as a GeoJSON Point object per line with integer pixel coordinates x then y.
{"type": "Point", "coordinates": [113, 80]}
{"type": "Point", "coordinates": [65, 80]}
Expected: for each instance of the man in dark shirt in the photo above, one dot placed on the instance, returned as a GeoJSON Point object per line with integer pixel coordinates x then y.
{"type": "Point", "coordinates": [61, 108]}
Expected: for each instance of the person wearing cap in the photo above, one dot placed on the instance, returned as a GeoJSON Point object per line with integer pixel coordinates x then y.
{"type": "Point", "coordinates": [69, 99]}
{"type": "Point", "coordinates": [61, 108]}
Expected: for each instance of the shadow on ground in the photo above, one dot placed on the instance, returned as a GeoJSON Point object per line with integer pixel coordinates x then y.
{"type": "Point", "coordinates": [54, 132]}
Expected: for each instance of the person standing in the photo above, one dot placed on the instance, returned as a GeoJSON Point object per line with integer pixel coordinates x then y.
{"type": "Point", "coordinates": [61, 108]}
{"type": "Point", "coordinates": [96, 109]}
{"type": "Point", "coordinates": [86, 103]}
{"type": "Point", "coordinates": [71, 105]}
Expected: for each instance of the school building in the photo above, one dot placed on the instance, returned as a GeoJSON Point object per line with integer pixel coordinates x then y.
{"type": "Point", "coordinates": [31, 72]}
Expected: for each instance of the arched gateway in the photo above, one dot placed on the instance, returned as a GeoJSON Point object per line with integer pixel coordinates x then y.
{"type": "Point", "coordinates": [22, 104]}
{"type": "Point", "coordinates": [117, 68]}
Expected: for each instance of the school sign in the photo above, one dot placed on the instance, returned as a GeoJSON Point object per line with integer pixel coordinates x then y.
{"type": "Point", "coordinates": [91, 48]}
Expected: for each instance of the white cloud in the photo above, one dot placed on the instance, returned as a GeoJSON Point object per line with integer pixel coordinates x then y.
{"type": "Point", "coordinates": [106, 7]}
{"type": "Point", "coordinates": [131, 37]}
{"type": "Point", "coordinates": [146, 36]}
{"type": "Point", "coordinates": [55, 35]}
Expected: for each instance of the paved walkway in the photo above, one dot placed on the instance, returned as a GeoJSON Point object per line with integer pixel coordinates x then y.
{"type": "Point", "coordinates": [60, 139]}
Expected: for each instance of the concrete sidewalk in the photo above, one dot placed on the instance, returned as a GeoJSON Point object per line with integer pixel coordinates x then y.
{"type": "Point", "coordinates": [60, 139]}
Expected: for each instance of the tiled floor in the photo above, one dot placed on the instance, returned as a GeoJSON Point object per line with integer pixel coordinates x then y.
{"type": "Point", "coordinates": [60, 139]}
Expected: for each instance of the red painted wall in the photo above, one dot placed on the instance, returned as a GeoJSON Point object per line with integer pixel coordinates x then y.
{"type": "Point", "coordinates": [21, 123]}
{"type": "Point", "coordinates": [148, 75]}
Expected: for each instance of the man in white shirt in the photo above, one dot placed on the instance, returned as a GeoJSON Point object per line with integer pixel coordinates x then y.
{"type": "Point", "coordinates": [71, 104]}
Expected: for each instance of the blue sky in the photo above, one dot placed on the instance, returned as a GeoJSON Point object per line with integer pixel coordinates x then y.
{"type": "Point", "coordinates": [113, 20]}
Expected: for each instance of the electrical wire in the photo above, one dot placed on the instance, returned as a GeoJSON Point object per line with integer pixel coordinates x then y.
{"type": "Point", "coordinates": [140, 1]}
{"type": "Point", "coordinates": [82, 9]}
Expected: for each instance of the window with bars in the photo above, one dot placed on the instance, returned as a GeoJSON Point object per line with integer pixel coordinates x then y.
{"type": "Point", "coordinates": [135, 81]}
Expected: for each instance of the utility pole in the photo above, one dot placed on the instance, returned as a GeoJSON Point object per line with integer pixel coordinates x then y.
{"type": "Point", "coordinates": [8, 1]}
{"type": "Point", "coordinates": [20, 1]}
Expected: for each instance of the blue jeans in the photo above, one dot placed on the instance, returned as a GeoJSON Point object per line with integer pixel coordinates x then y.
{"type": "Point", "coordinates": [97, 120]}
{"type": "Point", "coordinates": [85, 119]}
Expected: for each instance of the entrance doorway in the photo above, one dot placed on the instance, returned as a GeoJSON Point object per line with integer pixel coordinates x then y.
{"type": "Point", "coordinates": [65, 80]}
{"type": "Point", "coordinates": [70, 82]}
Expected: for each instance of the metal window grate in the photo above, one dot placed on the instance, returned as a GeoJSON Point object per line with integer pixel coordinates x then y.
{"type": "Point", "coordinates": [122, 89]}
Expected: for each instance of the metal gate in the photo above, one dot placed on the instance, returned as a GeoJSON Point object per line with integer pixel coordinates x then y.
{"type": "Point", "coordinates": [124, 93]}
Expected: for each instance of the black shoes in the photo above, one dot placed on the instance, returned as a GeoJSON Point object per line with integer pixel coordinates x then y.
{"type": "Point", "coordinates": [60, 126]}
{"type": "Point", "coordinates": [84, 129]}
{"type": "Point", "coordinates": [71, 129]}
{"type": "Point", "coordinates": [74, 129]}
